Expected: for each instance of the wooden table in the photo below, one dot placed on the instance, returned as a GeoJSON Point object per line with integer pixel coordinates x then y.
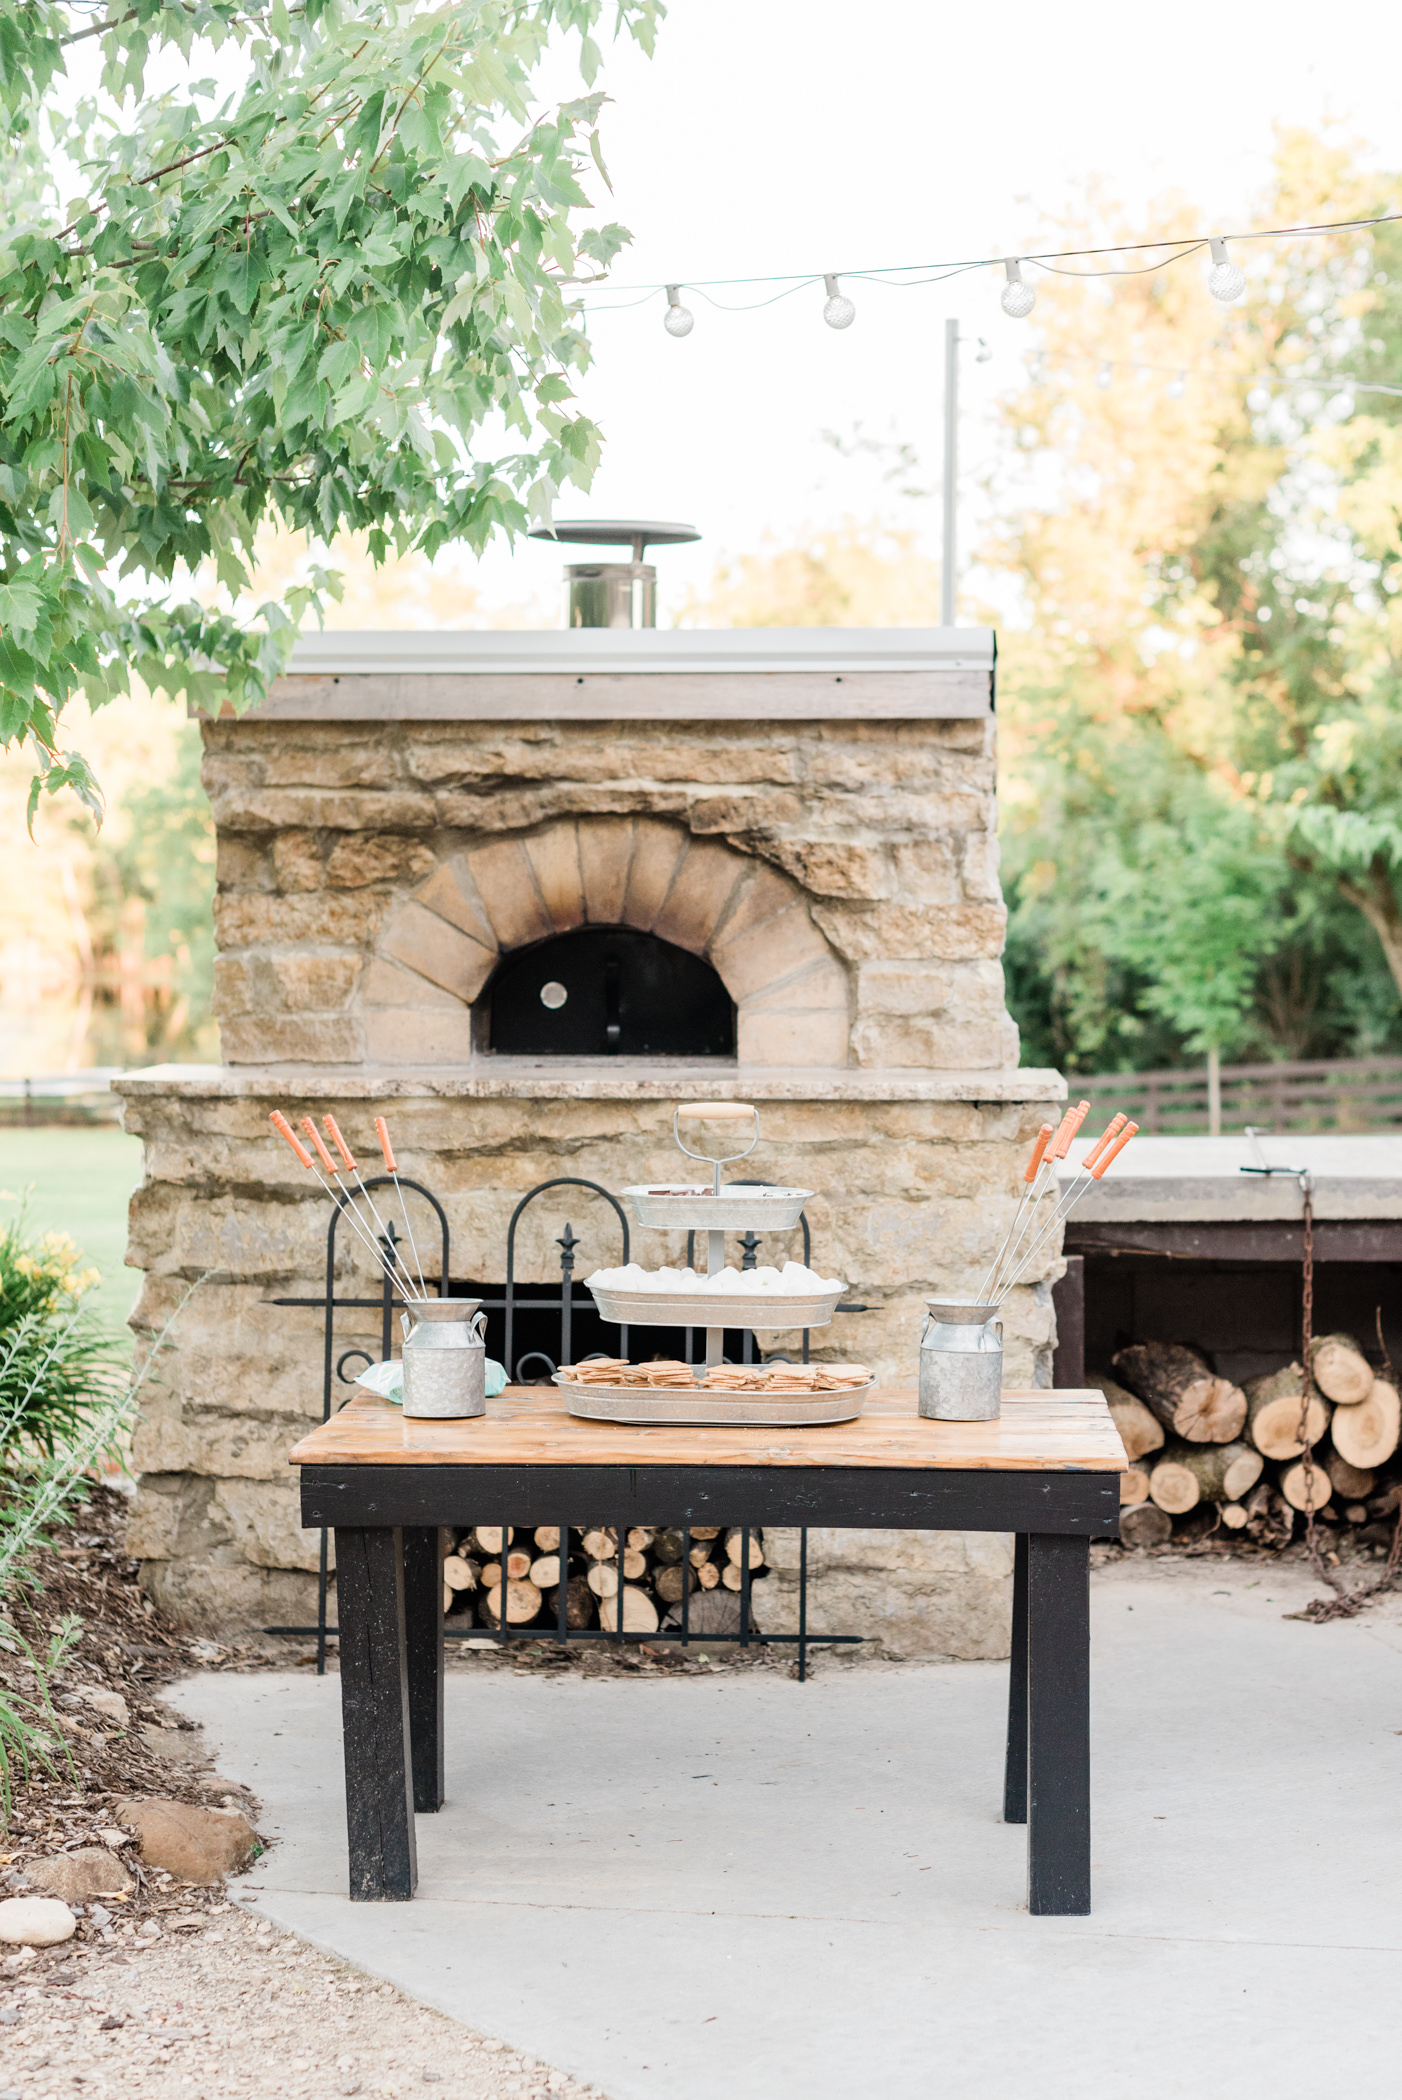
{"type": "Point", "coordinates": [1046, 1471]}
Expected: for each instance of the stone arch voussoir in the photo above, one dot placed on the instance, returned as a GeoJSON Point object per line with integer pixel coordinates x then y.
{"type": "Point", "coordinates": [750, 921]}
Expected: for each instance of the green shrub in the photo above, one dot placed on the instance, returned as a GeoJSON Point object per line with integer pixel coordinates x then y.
{"type": "Point", "coordinates": [57, 1366]}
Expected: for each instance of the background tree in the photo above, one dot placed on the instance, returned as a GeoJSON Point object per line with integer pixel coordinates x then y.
{"type": "Point", "coordinates": [1202, 715]}
{"type": "Point", "coordinates": [335, 294]}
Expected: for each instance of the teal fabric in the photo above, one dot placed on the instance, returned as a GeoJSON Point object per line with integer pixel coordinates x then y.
{"type": "Point", "coordinates": [388, 1380]}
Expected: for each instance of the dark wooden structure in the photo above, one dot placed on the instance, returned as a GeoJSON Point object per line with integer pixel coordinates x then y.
{"type": "Point", "coordinates": [1046, 1470]}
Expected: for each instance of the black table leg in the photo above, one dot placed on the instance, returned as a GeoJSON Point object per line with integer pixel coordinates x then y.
{"type": "Point", "coordinates": [375, 1713]}
{"type": "Point", "coordinates": [423, 1626]}
{"type": "Point", "coordinates": [1058, 1714]}
{"type": "Point", "coordinates": [1015, 1762]}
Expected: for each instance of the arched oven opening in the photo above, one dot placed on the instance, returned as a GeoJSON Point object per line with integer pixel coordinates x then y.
{"type": "Point", "coordinates": [607, 991]}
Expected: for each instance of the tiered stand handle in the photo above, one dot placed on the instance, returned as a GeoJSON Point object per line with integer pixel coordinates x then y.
{"type": "Point", "coordinates": [715, 1112]}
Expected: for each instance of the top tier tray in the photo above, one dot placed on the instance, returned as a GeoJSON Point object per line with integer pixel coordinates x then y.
{"type": "Point", "coordinates": [748, 1207]}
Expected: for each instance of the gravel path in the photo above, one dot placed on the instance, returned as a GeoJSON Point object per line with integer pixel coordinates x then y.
{"type": "Point", "coordinates": [232, 2006]}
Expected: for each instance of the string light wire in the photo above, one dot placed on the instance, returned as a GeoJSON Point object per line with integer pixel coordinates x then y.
{"type": "Point", "coordinates": [903, 276]}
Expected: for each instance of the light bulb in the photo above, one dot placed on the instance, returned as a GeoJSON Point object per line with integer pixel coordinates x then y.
{"type": "Point", "coordinates": [838, 311]}
{"type": "Point", "coordinates": [1225, 280]}
{"type": "Point", "coordinates": [1104, 376]}
{"type": "Point", "coordinates": [678, 319]}
{"type": "Point", "coordinates": [1259, 398]}
{"type": "Point", "coordinates": [1018, 298]}
{"type": "Point", "coordinates": [1175, 387]}
{"type": "Point", "coordinates": [983, 353]}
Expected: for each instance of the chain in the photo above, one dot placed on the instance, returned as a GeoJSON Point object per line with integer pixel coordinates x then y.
{"type": "Point", "coordinates": [1317, 1562]}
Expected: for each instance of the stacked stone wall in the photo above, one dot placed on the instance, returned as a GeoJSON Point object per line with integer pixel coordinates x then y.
{"type": "Point", "coordinates": [907, 1194]}
{"type": "Point", "coordinates": [841, 876]}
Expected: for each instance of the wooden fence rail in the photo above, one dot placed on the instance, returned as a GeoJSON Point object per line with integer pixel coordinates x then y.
{"type": "Point", "coordinates": [1362, 1094]}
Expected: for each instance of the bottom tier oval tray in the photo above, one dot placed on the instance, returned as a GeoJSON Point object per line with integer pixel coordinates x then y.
{"type": "Point", "coordinates": [709, 1406]}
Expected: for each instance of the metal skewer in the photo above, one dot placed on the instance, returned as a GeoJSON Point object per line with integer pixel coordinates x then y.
{"type": "Point", "coordinates": [397, 1273]}
{"type": "Point", "coordinates": [1029, 1176]}
{"type": "Point", "coordinates": [1056, 1149]}
{"type": "Point", "coordinates": [382, 1133]}
{"type": "Point", "coordinates": [330, 1124]}
{"type": "Point", "coordinates": [339, 1196]}
{"type": "Point", "coordinates": [1073, 1196]}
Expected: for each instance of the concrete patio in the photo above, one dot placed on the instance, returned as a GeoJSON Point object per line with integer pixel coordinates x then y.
{"type": "Point", "coordinates": [749, 1887]}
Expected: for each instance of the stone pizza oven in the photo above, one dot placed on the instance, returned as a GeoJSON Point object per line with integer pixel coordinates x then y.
{"type": "Point", "coordinates": [522, 892]}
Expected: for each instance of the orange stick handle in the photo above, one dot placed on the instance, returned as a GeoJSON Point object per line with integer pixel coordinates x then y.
{"type": "Point", "coordinates": [1112, 1130]}
{"type": "Point", "coordinates": [328, 1123]}
{"type": "Point", "coordinates": [1070, 1124]}
{"type": "Point", "coordinates": [1105, 1158]}
{"type": "Point", "coordinates": [284, 1130]}
{"type": "Point", "coordinates": [1046, 1132]}
{"type": "Point", "coordinates": [382, 1133]}
{"type": "Point", "coordinates": [315, 1137]}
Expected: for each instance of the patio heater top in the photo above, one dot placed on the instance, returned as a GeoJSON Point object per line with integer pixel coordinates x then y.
{"type": "Point", "coordinates": [613, 594]}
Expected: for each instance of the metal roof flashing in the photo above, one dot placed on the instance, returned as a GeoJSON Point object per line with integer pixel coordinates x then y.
{"type": "Point", "coordinates": [723, 674]}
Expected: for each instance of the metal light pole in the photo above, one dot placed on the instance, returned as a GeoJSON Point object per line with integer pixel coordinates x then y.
{"type": "Point", "coordinates": [949, 608]}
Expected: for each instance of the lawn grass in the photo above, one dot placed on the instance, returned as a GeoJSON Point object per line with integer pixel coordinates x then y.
{"type": "Point", "coordinates": [80, 1179]}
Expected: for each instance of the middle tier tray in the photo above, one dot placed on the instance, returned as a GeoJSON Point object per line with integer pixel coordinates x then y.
{"type": "Point", "coordinates": [770, 1310]}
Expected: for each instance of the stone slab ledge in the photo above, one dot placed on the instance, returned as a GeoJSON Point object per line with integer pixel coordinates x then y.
{"type": "Point", "coordinates": [588, 1079]}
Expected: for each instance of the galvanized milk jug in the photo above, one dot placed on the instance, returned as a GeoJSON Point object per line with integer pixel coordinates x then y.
{"type": "Point", "coordinates": [445, 1359]}
{"type": "Point", "coordinates": [961, 1361]}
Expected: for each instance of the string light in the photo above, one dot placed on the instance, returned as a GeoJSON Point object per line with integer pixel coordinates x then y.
{"type": "Point", "coordinates": [678, 319]}
{"type": "Point", "coordinates": [1176, 387]}
{"type": "Point", "coordinates": [1104, 376]}
{"type": "Point", "coordinates": [1226, 280]}
{"type": "Point", "coordinates": [983, 353]}
{"type": "Point", "coordinates": [838, 312]}
{"type": "Point", "coordinates": [1018, 297]}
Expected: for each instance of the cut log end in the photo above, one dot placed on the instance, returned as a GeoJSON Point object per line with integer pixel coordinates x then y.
{"type": "Point", "coordinates": [1341, 1370]}
{"type": "Point", "coordinates": [1306, 1486]}
{"type": "Point", "coordinates": [1146, 1525]}
{"type": "Point", "coordinates": [1366, 1433]}
{"type": "Point", "coordinates": [1275, 1410]}
{"type": "Point", "coordinates": [1180, 1388]}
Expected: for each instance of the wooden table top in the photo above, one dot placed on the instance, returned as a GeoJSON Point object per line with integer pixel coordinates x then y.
{"type": "Point", "coordinates": [1045, 1432]}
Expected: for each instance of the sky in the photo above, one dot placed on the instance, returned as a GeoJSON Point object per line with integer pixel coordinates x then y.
{"type": "Point", "coordinates": [781, 136]}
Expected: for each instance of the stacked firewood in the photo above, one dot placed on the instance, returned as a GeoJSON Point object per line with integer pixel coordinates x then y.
{"type": "Point", "coordinates": [656, 1569]}
{"type": "Point", "coordinates": [1250, 1458]}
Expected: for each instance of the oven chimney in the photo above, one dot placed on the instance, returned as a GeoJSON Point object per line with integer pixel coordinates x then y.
{"type": "Point", "coordinates": [613, 593]}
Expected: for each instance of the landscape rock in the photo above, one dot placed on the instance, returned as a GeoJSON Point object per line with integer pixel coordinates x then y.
{"type": "Point", "coordinates": [177, 1745]}
{"type": "Point", "coordinates": [79, 1876]}
{"type": "Point", "coordinates": [111, 1705]}
{"type": "Point", "coordinates": [193, 1844]}
{"type": "Point", "coordinates": [35, 1921]}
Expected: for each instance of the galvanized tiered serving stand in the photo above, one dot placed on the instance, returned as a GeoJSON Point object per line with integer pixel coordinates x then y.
{"type": "Point", "coordinates": [742, 1207]}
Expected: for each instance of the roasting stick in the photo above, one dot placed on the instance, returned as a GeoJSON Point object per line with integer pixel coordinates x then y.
{"type": "Point", "coordinates": [382, 1133]}
{"type": "Point", "coordinates": [338, 1196]}
{"type": "Point", "coordinates": [385, 1247]}
{"type": "Point", "coordinates": [1044, 1135]}
{"type": "Point", "coordinates": [1057, 1148]}
{"type": "Point", "coordinates": [1073, 1197]}
{"type": "Point", "coordinates": [333, 1129]}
